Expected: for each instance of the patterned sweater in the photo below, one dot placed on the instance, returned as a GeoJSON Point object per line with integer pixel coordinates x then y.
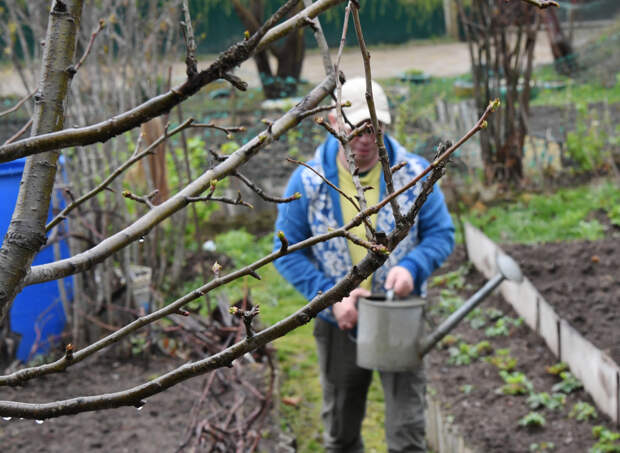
{"type": "Point", "coordinates": [319, 267]}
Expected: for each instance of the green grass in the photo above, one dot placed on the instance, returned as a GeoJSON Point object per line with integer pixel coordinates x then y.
{"type": "Point", "coordinates": [574, 93]}
{"type": "Point", "coordinates": [564, 215]}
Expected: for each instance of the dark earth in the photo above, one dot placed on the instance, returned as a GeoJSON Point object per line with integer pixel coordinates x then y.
{"type": "Point", "coordinates": [580, 280]}
{"type": "Point", "coordinates": [584, 290]}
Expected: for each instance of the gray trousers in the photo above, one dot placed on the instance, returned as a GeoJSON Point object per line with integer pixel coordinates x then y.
{"type": "Point", "coordinates": [345, 387]}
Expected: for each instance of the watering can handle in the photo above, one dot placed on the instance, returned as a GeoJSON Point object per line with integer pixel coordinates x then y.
{"type": "Point", "coordinates": [507, 268]}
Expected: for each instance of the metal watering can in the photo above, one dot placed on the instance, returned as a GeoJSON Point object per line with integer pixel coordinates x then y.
{"type": "Point", "coordinates": [390, 333]}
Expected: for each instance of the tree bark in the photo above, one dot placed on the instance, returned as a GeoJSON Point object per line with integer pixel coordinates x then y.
{"type": "Point", "coordinates": [26, 233]}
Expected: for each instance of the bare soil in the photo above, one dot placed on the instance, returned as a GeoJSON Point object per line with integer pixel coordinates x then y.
{"type": "Point", "coordinates": [584, 290]}
{"type": "Point", "coordinates": [580, 280]}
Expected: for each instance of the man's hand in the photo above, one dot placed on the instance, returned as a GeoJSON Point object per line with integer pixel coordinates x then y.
{"type": "Point", "coordinates": [400, 280]}
{"type": "Point", "coordinates": [345, 311]}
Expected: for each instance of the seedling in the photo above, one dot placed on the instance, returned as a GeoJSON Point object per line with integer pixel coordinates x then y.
{"type": "Point", "coordinates": [502, 360]}
{"type": "Point", "coordinates": [452, 280]}
{"type": "Point", "coordinates": [542, 446]}
{"type": "Point", "coordinates": [502, 326]}
{"type": "Point", "coordinates": [476, 318]}
{"type": "Point", "coordinates": [483, 348]}
{"type": "Point", "coordinates": [552, 402]}
{"type": "Point", "coordinates": [568, 384]}
{"type": "Point", "coordinates": [583, 411]}
{"type": "Point", "coordinates": [494, 314]}
{"type": "Point", "coordinates": [448, 340]}
{"type": "Point", "coordinates": [557, 368]}
{"type": "Point", "coordinates": [499, 328]}
{"type": "Point", "coordinates": [533, 420]}
{"type": "Point", "coordinates": [607, 441]}
{"type": "Point", "coordinates": [466, 388]}
{"type": "Point", "coordinates": [462, 354]}
{"type": "Point", "coordinates": [516, 383]}
{"type": "Point", "coordinates": [449, 302]}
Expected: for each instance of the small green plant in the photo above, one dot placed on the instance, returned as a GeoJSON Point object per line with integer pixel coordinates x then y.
{"type": "Point", "coordinates": [502, 326]}
{"type": "Point", "coordinates": [542, 446]}
{"type": "Point", "coordinates": [449, 302]}
{"type": "Point", "coordinates": [499, 328]}
{"type": "Point", "coordinates": [606, 440]}
{"type": "Point", "coordinates": [484, 348]}
{"type": "Point", "coordinates": [448, 341]}
{"type": "Point", "coordinates": [138, 344]}
{"type": "Point", "coordinates": [583, 411]}
{"type": "Point", "coordinates": [502, 360]}
{"type": "Point", "coordinates": [493, 313]}
{"type": "Point", "coordinates": [463, 354]}
{"type": "Point", "coordinates": [533, 420]}
{"type": "Point", "coordinates": [515, 383]}
{"type": "Point", "coordinates": [452, 280]}
{"type": "Point", "coordinates": [557, 368]}
{"type": "Point", "coordinates": [476, 318]}
{"type": "Point", "coordinates": [552, 402]}
{"type": "Point", "coordinates": [588, 144]}
{"type": "Point", "coordinates": [466, 388]}
{"type": "Point", "coordinates": [568, 384]}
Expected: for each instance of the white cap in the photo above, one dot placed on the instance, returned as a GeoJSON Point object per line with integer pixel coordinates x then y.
{"type": "Point", "coordinates": [354, 90]}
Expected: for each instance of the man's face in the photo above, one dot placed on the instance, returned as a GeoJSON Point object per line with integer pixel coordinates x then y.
{"type": "Point", "coordinates": [365, 150]}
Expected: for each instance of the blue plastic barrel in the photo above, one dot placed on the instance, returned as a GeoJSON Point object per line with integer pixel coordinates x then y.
{"type": "Point", "coordinates": [37, 314]}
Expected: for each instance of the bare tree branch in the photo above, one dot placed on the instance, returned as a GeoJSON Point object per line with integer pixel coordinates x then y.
{"type": "Point", "coordinates": [93, 36]}
{"type": "Point", "coordinates": [26, 232]}
{"type": "Point", "coordinates": [383, 156]}
{"type": "Point", "coordinates": [18, 105]}
{"type": "Point", "coordinates": [123, 122]}
{"type": "Point", "coordinates": [190, 42]}
{"type": "Point", "coordinates": [142, 226]}
{"type": "Point", "coordinates": [19, 133]}
{"type": "Point", "coordinates": [174, 307]}
{"type": "Point", "coordinates": [106, 182]}
{"type": "Point", "coordinates": [136, 396]}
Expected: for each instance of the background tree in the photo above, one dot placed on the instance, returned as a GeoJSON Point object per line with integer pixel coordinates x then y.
{"type": "Point", "coordinates": [501, 45]}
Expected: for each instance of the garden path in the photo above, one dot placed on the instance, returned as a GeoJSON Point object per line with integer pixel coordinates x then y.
{"type": "Point", "coordinates": [436, 59]}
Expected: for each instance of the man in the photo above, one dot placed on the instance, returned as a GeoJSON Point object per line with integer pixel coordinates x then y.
{"type": "Point", "coordinates": [430, 241]}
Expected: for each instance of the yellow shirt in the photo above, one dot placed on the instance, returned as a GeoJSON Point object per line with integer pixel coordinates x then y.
{"type": "Point", "coordinates": [371, 178]}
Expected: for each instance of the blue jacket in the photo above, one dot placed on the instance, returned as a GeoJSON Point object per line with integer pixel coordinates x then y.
{"type": "Point", "coordinates": [319, 267]}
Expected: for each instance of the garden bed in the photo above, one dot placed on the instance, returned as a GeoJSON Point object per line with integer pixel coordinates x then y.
{"type": "Point", "coordinates": [471, 395]}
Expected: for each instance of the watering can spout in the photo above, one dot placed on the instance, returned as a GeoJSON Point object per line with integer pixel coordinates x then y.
{"type": "Point", "coordinates": [507, 268]}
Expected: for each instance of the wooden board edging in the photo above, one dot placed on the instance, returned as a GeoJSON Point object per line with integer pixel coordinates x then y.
{"type": "Point", "coordinates": [442, 436]}
{"type": "Point", "coordinates": [598, 372]}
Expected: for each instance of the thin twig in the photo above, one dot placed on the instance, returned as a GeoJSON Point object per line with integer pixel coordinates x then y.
{"type": "Point", "coordinates": [373, 247]}
{"type": "Point", "coordinates": [63, 214]}
{"type": "Point", "coordinates": [130, 119]}
{"type": "Point", "coordinates": [326, 181]}
{"type": "Point", "coordinates": [145, 199]}
{"type": "Point", "coordinates": [261, 193]}
{"type": "Point", "coordinates": [19, 133]}
{"type": "Point", "coordinates": [236, 201]}
{"type": "Point", "coordinates": [321, 41]}
{"type": "Point", "coordinates": [322, 108]}
{"type": "Point", "coordinates": [190, 43]}
{"type": "Point", "coordinates": [136, 394]}
{"type": "Point", "coordinates": [94, 34]}
{"type": "Point", "coordinates": [383, 156]}
{"type": "Point", "coordinates": [227, 130]}
{"type": "Point", "coordinates": [21, 102]}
